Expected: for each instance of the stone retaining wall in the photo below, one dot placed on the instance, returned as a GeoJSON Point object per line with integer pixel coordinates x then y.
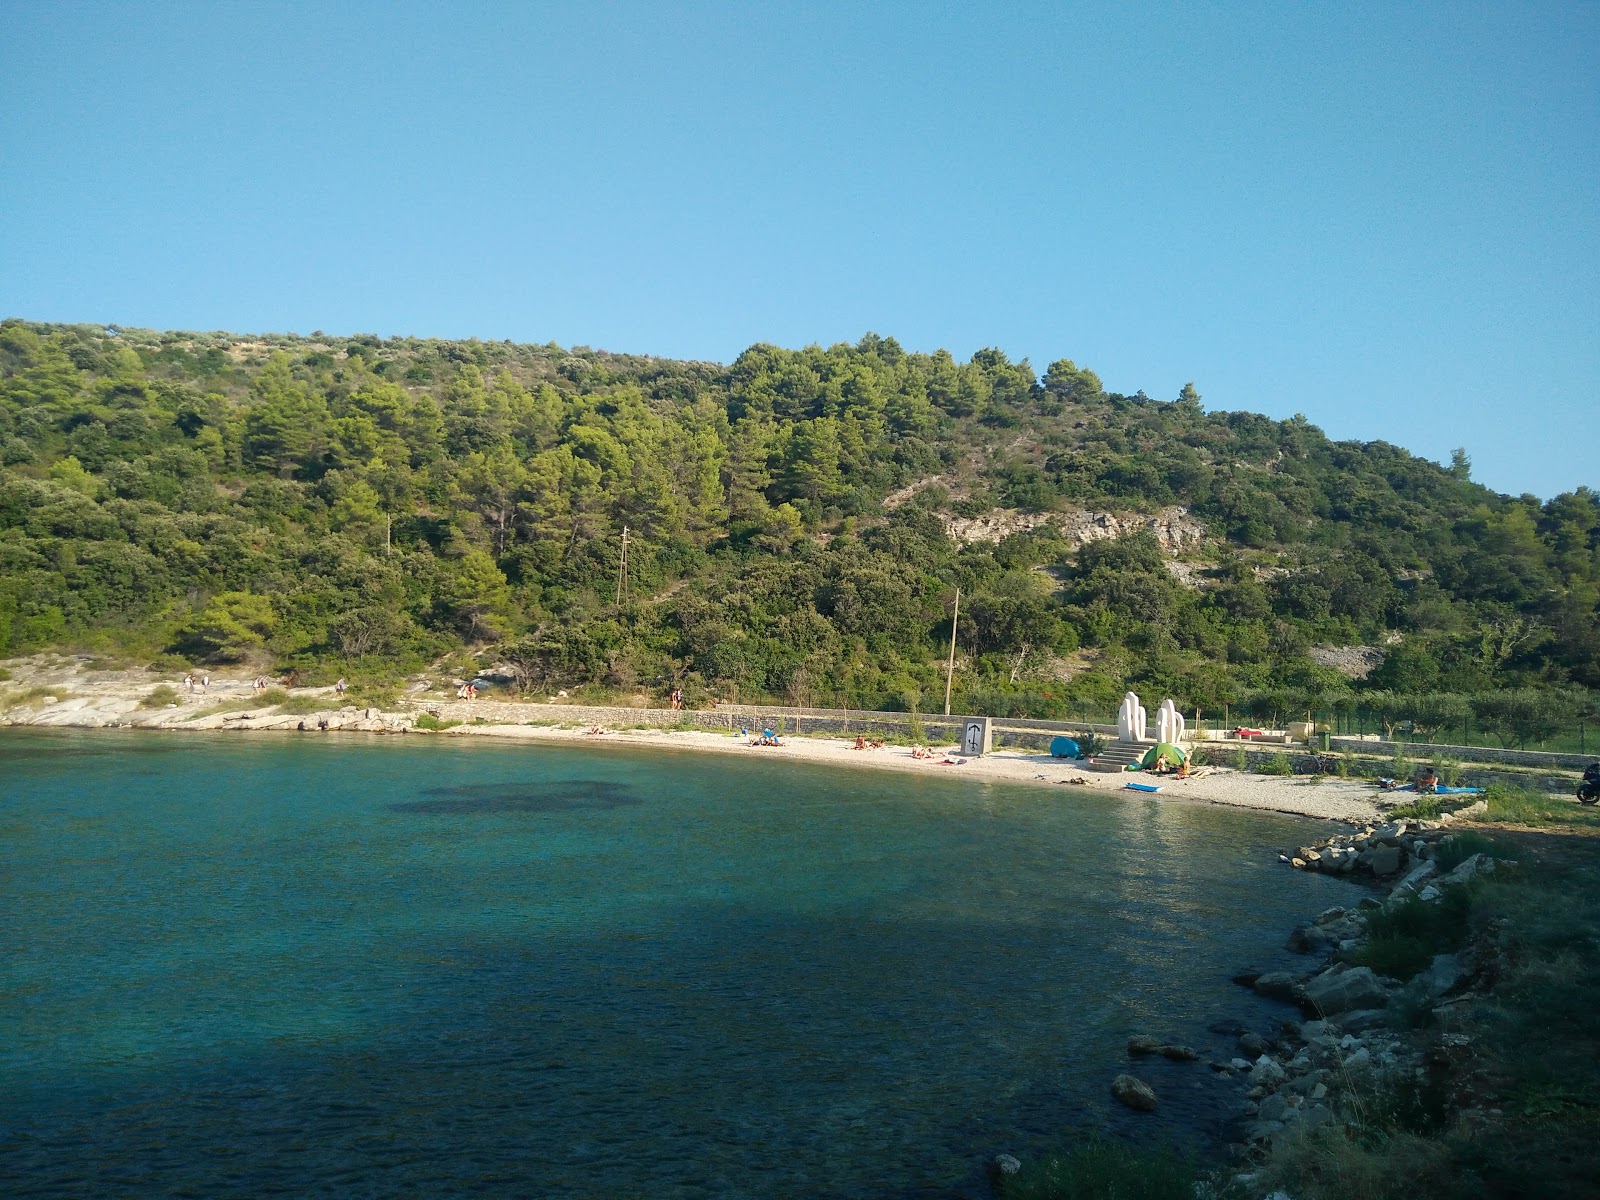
{"type": "Point", "coordinates": [1026, 735]}
{"type": "Point", "coordinates": [1225, 755]}
{"type": "Point", "coordinates": [1423, 751]}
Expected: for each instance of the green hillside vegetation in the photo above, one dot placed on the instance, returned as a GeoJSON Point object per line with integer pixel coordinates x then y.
{"type": "Point", "coordinates": [366, 506]}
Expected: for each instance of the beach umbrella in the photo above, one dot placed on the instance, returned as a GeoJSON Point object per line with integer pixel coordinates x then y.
{"type": "Point", "coordinates": [1173, 755]}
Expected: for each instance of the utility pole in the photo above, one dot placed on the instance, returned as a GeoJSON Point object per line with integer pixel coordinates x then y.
{"type": "Point", "coordinates": [622, 569]}
{"type": "Point", "coordinates": [950, 668]}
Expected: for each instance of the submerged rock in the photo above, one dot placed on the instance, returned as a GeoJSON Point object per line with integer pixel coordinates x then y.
{"type": "Point", "coordinates": [1002, 1166]}
{"type": "Point", "coordinates": [1134, 1093]}
{"type": "Point", "coordinates": [1278, 985]}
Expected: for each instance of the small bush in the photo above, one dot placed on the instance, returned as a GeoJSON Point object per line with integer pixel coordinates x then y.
{"type": "Point", "coordinates": [35, 693]}
{"type": "Point", "coordinates": [160, 696]}
{"type": "Point", "coordinates": [1358, 1157]}
{"type": "Point", "coordinates": [432, 724]}
{"type": "Point", "coordinates": [1241, 759]}
{"type": "Point", "coordinates": [4, 675]}
{"type": "Point", "coordinates": [1277, 764]}
{"type": "Point", "coordinates": [1447, 769]}
{"type": "Point", "coordinates": [1103, 1170]}
{"type": "Point", "coordinates": [1401, 766]}
{"type": "Point", "coordinates": [373, 695]}
{"type": "Point", "coordinates": [1402, 938]}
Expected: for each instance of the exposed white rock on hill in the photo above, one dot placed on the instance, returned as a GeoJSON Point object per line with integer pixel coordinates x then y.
{"type": "Point", "coordinates": [1173, 527]}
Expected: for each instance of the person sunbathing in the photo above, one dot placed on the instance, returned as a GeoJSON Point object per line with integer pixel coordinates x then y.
{"type": "Point", "coordinates": [861, 743]}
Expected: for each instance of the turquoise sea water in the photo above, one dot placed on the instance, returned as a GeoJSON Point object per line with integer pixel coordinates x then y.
{"type": "Point", "coordinates": [344, 966]}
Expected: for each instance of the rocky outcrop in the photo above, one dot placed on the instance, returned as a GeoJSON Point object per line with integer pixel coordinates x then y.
{"type": "Point", "coordinates": [1353, 662]}
{"type": "Point", "coordinates": [1174, 528]}
{"type": "Point", "coordinates": [1399, 848]}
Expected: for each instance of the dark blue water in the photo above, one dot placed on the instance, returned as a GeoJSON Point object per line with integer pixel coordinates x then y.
{"type": "Point", "coordinates": [245, 966]}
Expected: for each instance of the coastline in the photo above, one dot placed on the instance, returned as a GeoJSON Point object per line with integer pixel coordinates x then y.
{"type": "Point", "coordinates": [88, 699]}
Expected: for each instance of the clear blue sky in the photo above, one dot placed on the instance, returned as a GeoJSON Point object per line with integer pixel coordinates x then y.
{"type": "Point", "coordinates": [1386, 217]}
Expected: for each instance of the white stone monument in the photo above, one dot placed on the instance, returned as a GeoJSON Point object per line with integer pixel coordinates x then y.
{"type": "Point", "coordinates": [1132, 723]}
{"type": "Point", "coordinates": [1169, 723]}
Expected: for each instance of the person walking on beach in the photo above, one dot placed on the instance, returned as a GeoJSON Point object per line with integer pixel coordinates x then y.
{"type": "Point", "coordinates": [339, 687]}
{"type": "Point", "coordinates": [205, 683]}
{"type": "Point", "coordinates": [188, 683]}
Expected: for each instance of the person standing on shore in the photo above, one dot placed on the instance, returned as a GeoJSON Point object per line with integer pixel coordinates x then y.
{"type": "Point", "coordinates": [205, 683]}
{"type": "Point", "coordinates": [339, 686]}
{"type": "Point", "coordinates": [188, 683]}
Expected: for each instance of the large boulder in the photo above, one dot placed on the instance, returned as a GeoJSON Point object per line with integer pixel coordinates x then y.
{"type": "Point", "coordinates": [1135, 1093]}
{"type": "Point", "coordinates": [1384, 859]}
{"type": "Point", "coordinates": [1342, 989]}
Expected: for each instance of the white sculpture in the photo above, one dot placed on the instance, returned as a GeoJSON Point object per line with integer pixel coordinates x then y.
{"type": "Point", "coordinates": [1169, 723]}
{"type": "Point", "coordinates": [1132, 723]}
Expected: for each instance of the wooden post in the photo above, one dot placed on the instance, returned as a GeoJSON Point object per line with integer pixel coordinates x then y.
{"type": "Point", "coordinates": [950, 668]}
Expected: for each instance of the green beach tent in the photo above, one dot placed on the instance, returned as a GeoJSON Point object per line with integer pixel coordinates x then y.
{"type": "Point", "coordinates": [1174, 755]}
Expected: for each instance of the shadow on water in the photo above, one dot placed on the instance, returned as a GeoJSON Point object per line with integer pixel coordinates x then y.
{"type": "Point", "coordinates": [556, 796]}
{"type": "Point", "coordinates": [721, 1054]}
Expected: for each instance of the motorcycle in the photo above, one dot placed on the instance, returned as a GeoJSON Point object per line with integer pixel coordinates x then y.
{"type": "Point", "coordinates": [1589, 789]}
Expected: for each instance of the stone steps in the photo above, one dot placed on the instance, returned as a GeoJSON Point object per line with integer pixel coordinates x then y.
{"type": "Point", "coordinates": [1119, 755]}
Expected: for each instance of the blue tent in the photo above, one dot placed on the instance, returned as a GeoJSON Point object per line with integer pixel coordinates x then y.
{"type": "Point", "coordinates": [1064, 747]}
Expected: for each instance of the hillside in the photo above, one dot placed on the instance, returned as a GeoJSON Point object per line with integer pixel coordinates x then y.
{"type": "Point", "coordinates": [798, 522]}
